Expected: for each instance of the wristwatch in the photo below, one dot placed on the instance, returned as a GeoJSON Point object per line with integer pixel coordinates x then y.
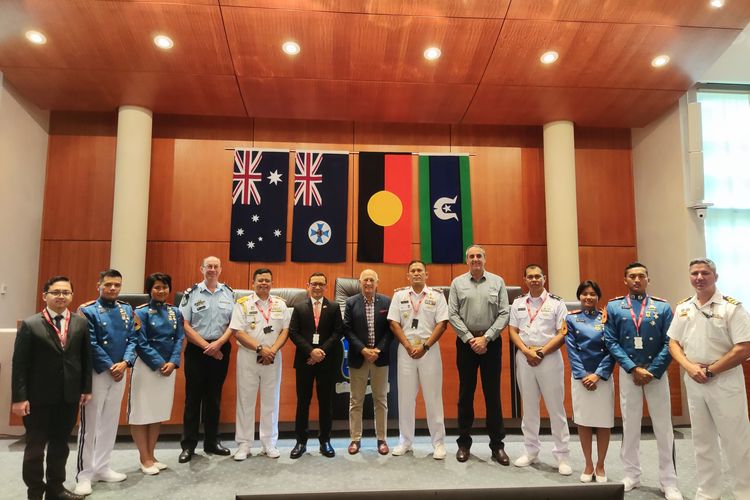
{"type": "Point", "coordinates": [259, 348]}
{"type": "Point", "coordinates": [540, 354]}
{"type": "Point", "coordinates": [709, 373]}
{"type": "Point", "coordinates": [425, 346]}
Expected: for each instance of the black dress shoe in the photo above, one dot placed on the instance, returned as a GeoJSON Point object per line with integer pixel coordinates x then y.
{"type": "Point", "coordinates": [298, 450]}
{"type": "Point", "coordinates": [463, 453]}
{"type": "Point", "coordinates": [327, 450]}
{"type": "Point", "coordinates": [63, 494]}
{"type": "Point", "coordinates": [500, 457]}
{"type": "Point", "coordinates": [217, 449]}
{"type": "Point", "coordinates": [186, 456]}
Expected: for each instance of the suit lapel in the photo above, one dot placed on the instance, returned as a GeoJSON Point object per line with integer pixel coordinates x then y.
{"type": "Point", "coordinates": [51, 334]}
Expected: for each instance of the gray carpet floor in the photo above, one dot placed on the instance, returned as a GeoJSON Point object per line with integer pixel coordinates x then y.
{"type": "Point", "coordinates": [211, 477]}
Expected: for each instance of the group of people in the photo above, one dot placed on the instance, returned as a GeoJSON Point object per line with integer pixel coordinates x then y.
{"type": "Point", "coordinates": [64, 361]}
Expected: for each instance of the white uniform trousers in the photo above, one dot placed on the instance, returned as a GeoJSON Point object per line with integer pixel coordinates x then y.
{"type": "Point", "coordinates": [660, 408]}
{"type": "Point", "coordinates": [251, 377]}
{"type": "Point", "coordinates": [427, 373]}
{"type": "Point", "coordinates": [718, 411]}
{"type": "Point", "coordinates": [98, 430]}
{"type": "Point", "coordinates": [546, 380]}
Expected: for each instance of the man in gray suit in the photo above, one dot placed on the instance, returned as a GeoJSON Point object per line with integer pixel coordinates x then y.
{"type": "Point", "coordinates": [51, 378]}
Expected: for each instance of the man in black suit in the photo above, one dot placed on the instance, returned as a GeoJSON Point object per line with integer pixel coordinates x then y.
{"type": "Point", "coordinates": [315, 328]}
{"type": "Point", "coordinates": [51, 378]}
{"type": "Point", "coordinates": [366, 329]}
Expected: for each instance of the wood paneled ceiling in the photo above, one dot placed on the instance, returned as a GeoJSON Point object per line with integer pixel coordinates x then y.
{"type": "Point", "coordinates": [362, 59]}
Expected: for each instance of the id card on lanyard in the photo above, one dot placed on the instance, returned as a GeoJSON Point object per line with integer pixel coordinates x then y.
{"type": "Point", "coordinates": [61, 334]}
{"type": "Point", "coordinates": [637, 340]}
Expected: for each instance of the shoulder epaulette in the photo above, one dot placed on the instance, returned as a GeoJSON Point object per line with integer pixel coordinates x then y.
{"type": "Point", "coordinates": [122, 302]}
{"type": "Point", "coordinates": [556, 297]}
{"type": "Point", "coordinates": [279, 297]}
{"type": "Point", "coordinates": [658, 299]}
{"type": "Point", "coordinates": [400, 289]}
{"type": "Point", "coordinates": [229, 287]}
{"type": "Point", "coordinates": [142, 306]}
{"type": "Point", "coordinates": [731, 300]}
{"type": "Point", "coordinates": [684, 300]}
{"type": "Point", "coordinates": [576, 311]}
{"type": "Point", "coordinates": [188, 291]}
{"type": "Point", "coordinates": [617, 298]}
{"type": "Point", "coordinates": [86, 304]}
{"type": "Point", "coordinates": [244, 299]}
{"type": "Point", "coordinates": [603, 310]}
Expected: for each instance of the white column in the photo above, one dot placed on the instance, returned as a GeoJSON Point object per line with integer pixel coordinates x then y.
{"type": "Point", "coordinates": [562, 214]}
{"type": "Point", "coordinates": [130, 210]}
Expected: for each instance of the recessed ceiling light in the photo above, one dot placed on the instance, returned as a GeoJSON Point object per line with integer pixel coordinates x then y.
{"type": "Point", "coordinates": [717, 4]}
{"type": "Point", "coordinates": [291, 48]}
{"type": "Point", "coordinates": [549, 57]}
{"type": "Point", "coordinates": [659, 61]}
{"type": "Point", "coordinates": [432, 53]}
{"type": "Point", "coordinates": [36, 37]}
{"type": "Point", "coordinates": [163, 42]}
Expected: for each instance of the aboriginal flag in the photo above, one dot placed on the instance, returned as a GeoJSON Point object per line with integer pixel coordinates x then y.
{"type": "Point", "coordinates": [445, 219]}
{"type": "Point", "coordinates": [384, 208]}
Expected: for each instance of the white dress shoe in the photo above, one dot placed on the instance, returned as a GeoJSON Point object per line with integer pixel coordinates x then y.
{"type": "Point", "coordinates": [82, 488]}
{"type": "Point", "coordinates": [564, 468]}
{"type": "Point", "coordinates": [630, 483]}
{"type": "Point", "coordinates": [672, 493]}
{"type": "Point", "coordinates": [439, 453]}
{"type": "Point", "coordinates": [111, 476]}
{"type": "Point", "coordinates": [271, 452]}
{"type": "Point", "coordinates": [601, 479]}
{"type": "Point", "coordinates": [587, 478]}
{"type": "Point", "coordinates": [400, 450]}
{"type": "Point", "coordinates": [525, 460]}
{"type": "Point", "coordinates": [151, 471]}
{"type": "Point", "coordinates": [160, 465]}
{"type": "Point", "coordinates": [242, 452]}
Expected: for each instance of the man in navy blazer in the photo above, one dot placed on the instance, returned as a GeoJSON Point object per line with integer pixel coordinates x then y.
{"type": "Point", "coordinates": [316, 329]}
{"type": "Point", "coordinates": [51, 378]}
{"type": "Point", "coordinates": [367, 330]}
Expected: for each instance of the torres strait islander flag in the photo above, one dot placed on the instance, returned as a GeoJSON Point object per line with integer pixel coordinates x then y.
{"type": "Point", "coordinates": [384, 208]}
{"type": "Point", "coordinates": [321, 187]}
{"type": "Point", "coordinates": [259, 206]}
{"type": "Point", "coordinates": [445, 222]}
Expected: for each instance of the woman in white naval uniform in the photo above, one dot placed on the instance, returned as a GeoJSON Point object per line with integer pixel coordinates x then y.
{"type": "Point", "coordinates": [592, 386]}
{"type": "Point", "coordinates": [152, 378]}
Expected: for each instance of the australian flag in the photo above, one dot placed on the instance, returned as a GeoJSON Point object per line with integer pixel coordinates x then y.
{"type": "Point", "coordinates": [321, 186]}
{"type": "Point", "coordinates": [259, 206]}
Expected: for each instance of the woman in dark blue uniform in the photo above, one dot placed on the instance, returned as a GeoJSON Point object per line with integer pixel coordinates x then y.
{"type": "Point", "coordinates": [592, 388]}
{"type": "Point", "coordinates": [152, 377]}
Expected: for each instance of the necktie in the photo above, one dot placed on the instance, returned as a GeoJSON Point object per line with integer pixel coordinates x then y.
{"type": "Point", "coordinates": [58, 321]}
{"type": "Point", "coordinates": [316, 313]}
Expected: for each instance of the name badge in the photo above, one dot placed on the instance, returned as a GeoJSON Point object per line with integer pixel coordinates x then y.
{"type": "Point", "coordinates": [638, 342]}
{"type": "Point", "coordinates": [316, 339]}
{"type": "Point", "coordinates": [268, 329]}
{"type": "Point", "coordinates": [414, 324]}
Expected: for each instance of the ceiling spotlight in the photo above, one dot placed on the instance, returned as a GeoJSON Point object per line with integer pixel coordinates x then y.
{"type": "Point", "coordinates": [291, 48]}
{"type": "Point", "coordinates": [163, 42]}
{"type": "Point", "coordinates": [717, 4]}
{"type": "Point", "coordinates": [432, 53]}
{"type": "Point", "coordinates": [659, 61]}
{"type": "Point", "coordinates": [36, 37]}
{"type": "Point", "coordinates": [549, 57]}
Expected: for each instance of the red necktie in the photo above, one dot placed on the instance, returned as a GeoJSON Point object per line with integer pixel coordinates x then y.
{"type": "Point", "coordinates": [316, 313]}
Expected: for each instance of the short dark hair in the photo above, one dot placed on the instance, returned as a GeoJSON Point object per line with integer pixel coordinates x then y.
{"type": "Point", "coordinates": [317, 274]}
{"type": "Point", "coordinates": [589, 284]}
{"type": "Point", "coordinates": [55, 279]}
{"type": "Point", "coordinates": [416, 261]}
{"type": "Point", "coordinates": [634, 265]}
{"type": "Point", "coordinates": [153, 278]}
{"type": "Point", "coordinates": [109, 273]}
{"type": "Point", "coordinates": [262, 270]}
{"type": "Point", "coordinates": [532, 265]}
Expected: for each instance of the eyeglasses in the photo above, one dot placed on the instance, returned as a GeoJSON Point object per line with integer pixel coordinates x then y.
{"type": "Point", "coordinates": [59, 293]}
{"type": "Point", "coordinates": [317, 285]}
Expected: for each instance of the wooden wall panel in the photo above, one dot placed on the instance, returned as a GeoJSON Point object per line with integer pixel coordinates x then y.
{"type": "Point", "coordinates": [606, 209]}
{"type": "Point", "coordinates": [79, 187]}
{"type": "Point", "coordinates": [605, 265]}
{"type": "Point", "coordinates": [80, 261]}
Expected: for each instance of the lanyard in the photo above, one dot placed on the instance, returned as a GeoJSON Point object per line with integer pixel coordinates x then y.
{"type": "Point", "coordinates": [637, 322]}
{"type": "Point", "coordinates": [267, 314]}
{"type": "Point", "coordinates": [532, 317]}
{"type": "Point", "coordinates": [419, 304]}
{"type": "Point", "coordinates": [62, 335]}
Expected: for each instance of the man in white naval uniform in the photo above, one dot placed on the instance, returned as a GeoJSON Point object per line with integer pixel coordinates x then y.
{"type": "Point", "coordinates": [710, 338]}
{"type": "Point", "coordinates": [538, 328]}
{"type": "Point", "coordinates": [418, 316]}
{"type": "Point", "coordinates": [260, 323]}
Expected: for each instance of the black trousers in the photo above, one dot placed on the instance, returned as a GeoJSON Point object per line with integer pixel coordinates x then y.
{"type": "Point", "coordinates": [47, 426]}
{"type": "Point", "coordinates": [489, 365]}
{"type": "Point", "coordinates": [324, 375]}
{"type": "Point", "coordinates": [204, 380]}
